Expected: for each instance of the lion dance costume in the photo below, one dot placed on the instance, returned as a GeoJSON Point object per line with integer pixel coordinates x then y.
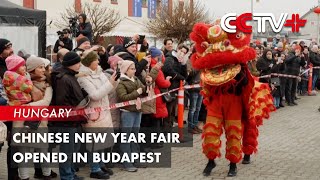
{"type": "Point", "coordinates": [235, 101]}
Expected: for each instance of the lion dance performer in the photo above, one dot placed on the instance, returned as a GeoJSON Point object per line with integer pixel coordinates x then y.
{"type": "Point", "coordinates": [235, 101]}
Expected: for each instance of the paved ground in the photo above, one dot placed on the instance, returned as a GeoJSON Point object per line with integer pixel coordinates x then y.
{"type": "Point", "coordinates": [289, 149]}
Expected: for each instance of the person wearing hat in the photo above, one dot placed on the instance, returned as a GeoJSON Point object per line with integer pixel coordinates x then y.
{"type": "Point", "coordinates": [67, 92]}
{"type": "Point", "coordinates": [41, 96]}
{"type": "Point", "coordinates": [161, 83]}
{"type": "Point", "coordinates": [83, 44]}
{"type": "Point", "coordinates": [293, 63]}
{"type": "Point", "coordinates": [84, 28]}
{"type": "Point", "coordinates": [98, 86]}
{"type": "Point", "coordinates": [114, 62]}
{"type": "Point", "coordinates": [15, 78]}
{"type": "Point", "coordinates": [130, 88]}
{"type": "Point", "coordinates": [130, 47]}
{"type": "Point", "coordinates": [5, 51]}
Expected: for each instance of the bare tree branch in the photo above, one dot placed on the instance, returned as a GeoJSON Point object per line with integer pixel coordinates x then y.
{"type": "Point", "coordinates": [102, 19]}
{"type": "Point", "coordinates": [179, 23]}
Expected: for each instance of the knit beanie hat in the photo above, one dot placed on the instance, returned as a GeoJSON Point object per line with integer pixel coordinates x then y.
{"type": "Point", "coordinates": [89, 58]}
{"type": "Point", "coordinates": [127, 42]}
{"type": "Point", "coordinates": [125, 66]}
{"type": "Point", "coordinates": [71, 58]}
{"type": "Point", "coordinates": [3, 44]}
{"type": "Point", "coordinates": [280, 45]}
{"type": "Point", "coordinates": [46, 62]}
{"type": "Point", "coordinates": [155, 52]}
{"type": "Point", "coordinates": [33, 62]}
{"type": "Point", "coordinates": [113, 61]}
{"type": "Point", "coordinates": [14, 62]}
{"type": "Point", "coordinates": [82, 40]}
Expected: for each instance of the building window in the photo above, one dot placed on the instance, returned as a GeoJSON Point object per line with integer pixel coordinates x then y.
{"type": "Point", "coordinates": [144, 3]}
{"type": "Point", "coordinates": [114, 1]}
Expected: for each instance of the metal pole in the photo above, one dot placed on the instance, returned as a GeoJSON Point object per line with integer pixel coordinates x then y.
{"type": "Point", "coordinates": [318, 30]}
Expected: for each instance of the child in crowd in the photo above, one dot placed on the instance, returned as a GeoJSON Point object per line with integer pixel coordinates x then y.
{"type": "Point", "coordinates": [130, 88]}
{"type": "Point", "coordinates": [17, 86]}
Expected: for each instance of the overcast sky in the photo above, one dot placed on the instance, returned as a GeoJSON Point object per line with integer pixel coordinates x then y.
{"type": "Point", "coordinates": [221, 7]}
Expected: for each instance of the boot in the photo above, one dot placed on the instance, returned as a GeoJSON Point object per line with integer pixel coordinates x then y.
{"type": "Point", "coordinates": [246, 159]}
{"type": "Point", "coordinates": [232, 170]}
{"type": "Point", "coordinates": [281, 104]}
{"type": "Point", "coordinates": [211, 164]}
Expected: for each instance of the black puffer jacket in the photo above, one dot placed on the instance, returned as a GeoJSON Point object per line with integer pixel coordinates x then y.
{"type": "Point", "coordinates": [172, 67]}
{"type": "Point", "coordinates": [66, 92]}
{"type": "Point", "coordinates": [293, 64]}
{"type": "Point", "coordinates": [3, 67]}
{"type": "Point", "coordinates": [140, 65]}
{"type": "Point", "coordinates": [315, 60]}
{"type": "Point", "coordinates": [194, 78]}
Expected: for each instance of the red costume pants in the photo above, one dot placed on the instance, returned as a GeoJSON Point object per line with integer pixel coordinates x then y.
{"type": "Point", "coordinates": [224, 112]}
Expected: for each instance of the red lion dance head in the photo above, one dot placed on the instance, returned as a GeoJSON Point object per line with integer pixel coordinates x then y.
{"type": "Point", "coordinates": [216, 47]}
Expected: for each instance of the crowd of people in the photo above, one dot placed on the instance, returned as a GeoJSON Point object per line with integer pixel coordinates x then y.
{"type": "Point", "coordinates": [95, 76]}
{"type": "Point", "coordinates": [284, 59]}
{"type": "Point", "coordinates": [122, 72]}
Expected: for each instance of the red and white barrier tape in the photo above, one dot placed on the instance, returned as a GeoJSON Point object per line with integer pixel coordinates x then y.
{"type": "Point", "coordinates": [289, 76]}
{"type": "Point", "coordinates": [126, 103]}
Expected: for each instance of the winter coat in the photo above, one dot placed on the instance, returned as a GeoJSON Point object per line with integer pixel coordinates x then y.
{"type": "Point", "coordinates": [160, 83]}
{"type": "Point", "coordinates": [18, 88]}
{"type": "Point", "coordinates": [277, 68]}
{"type": "Point", "coordinates": [43, 127]}
{"type": "Point", "coordinates": [293, 64]}
{"type": "Point", "coordinates": [3, 67]}
{"type": "Point", "coordinates": [127, 91]}
{"type": "Point", "coordinates": [263, 65]}
{"type": "Point", "coordinates": [315, 60]}
{"type": "Point", "coordinates": [172, 67]}
{"type": "Point", "coordinates": [113, 99]}
{"type": "Point", "coordinates": [97, 85]}
{"type": "Point", "coordinates": [194, 78]}
{"type": "Point", "coordinates": [56, 65]}
{"type": "Point", "coordinates": [68, 44]}
{"type": "Point", "coordinates": [66, 92]}
{"type": "Point", "coordinates": [86, 30]}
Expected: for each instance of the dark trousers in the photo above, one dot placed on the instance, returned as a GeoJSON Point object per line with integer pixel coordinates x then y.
{"type": "Point", "coordinates": [291, 90]}
{"type": "Point", "coordinates": [283, 82]}
{"type": "Point", "coordinates": [168, 121]}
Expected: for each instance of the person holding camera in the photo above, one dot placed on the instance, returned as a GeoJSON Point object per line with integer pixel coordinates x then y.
{"type": "Point", "coordinates": [84, 28]}
{"type": "Point", "coordinates": [64, 41]}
